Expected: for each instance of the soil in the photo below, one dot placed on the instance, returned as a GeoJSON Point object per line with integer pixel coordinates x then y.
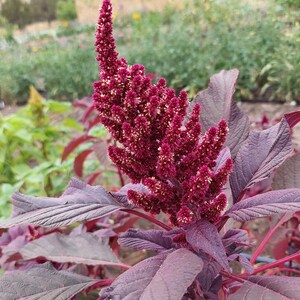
{"type": "Point", "coordinates": [274, 112]}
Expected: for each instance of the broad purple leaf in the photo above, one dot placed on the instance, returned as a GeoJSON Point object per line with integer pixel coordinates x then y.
{"type": "Point", "coordinates": [222, 158]}
{"type": "Point", "coordinates": [84, 248]}
{"type": "Point", "coordinates": [165, 276]}
{"type": "Point", "coordinates": [259, 155]}
{"type": "Point", "coordinates": [80, 202]}
{"type": "Point", "coordinates": [211, 269]}
{"type": "Point", "coordinates": [268, 287]}
{"type": "Point", "coordinates": [234, 238]}
{"type": "Point", "coordinates": [266, 204]}
{"type": "Point", "coordinates": [42, 282]}
{"type": "Point", "coordinates": [287, 175]}
{"type": "Point", "coordinates": [217, 104]}
{"type": "Point", "coordinates": [245, 263]}
{"type": "Point", "coordinates": [204, 236]}
{"type": "Point", "coordinates": [146, 239]}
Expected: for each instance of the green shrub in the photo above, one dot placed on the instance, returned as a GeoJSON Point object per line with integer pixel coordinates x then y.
{"type": "Point", "coordinates": [67, 71]}
{"type": "Point", "coordinates": [16, 12]}
{"type": "Point", "coordinates": [185, 47]}
{"type": "Point", "coordinates": [244, 37]}
{"type": "Point", "coordinates": [31, 145]}
{"type": "Point", "coordinates": [66, 10]}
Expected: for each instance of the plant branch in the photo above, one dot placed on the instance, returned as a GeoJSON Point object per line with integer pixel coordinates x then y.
{"type": "Point", "coordinates": [232, 276]}
{"type": "Point", "coordinates": [276, 263]}
{"type": "Point", "coordinates": [147, 217]}
{"type": "Point", "coordinates": [102, 283]}
{"type": "Point", "coordinates": [289, 270]}
{"type": "Point", "coordinates": [267, 238]}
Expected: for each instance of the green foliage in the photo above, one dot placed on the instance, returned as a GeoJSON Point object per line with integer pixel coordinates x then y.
{"type": "Point", "coordinates": [16, 12]}
{"type": "Point", "coordinates": [290, 3]}
{"type": "Point", "coordinates": [67, 70]}
{"type": "Point", "coordinates": [184, 46]}
{"type": "Point", "coordinates": [207, 37]}
{"type": "Point", "coordinates": [66, 10]}
{"type": "Point", "coordinates": [31, 144]}
{"type": "Point", "coordinates": [43, 10]}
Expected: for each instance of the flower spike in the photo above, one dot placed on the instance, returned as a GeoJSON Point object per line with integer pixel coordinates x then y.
{"type": "Point", "coordinates": [159, 145]}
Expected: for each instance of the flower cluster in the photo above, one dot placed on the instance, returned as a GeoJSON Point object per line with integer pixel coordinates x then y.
{"type": "Point", "coordinates": [158, 143]}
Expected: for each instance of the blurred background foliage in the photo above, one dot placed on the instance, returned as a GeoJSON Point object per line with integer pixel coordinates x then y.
{"type": "Point", "coordinates": [185, 44]}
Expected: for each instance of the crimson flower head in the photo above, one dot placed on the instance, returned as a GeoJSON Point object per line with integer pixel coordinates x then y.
{"type": "Point", "coordinates": [158, 143]}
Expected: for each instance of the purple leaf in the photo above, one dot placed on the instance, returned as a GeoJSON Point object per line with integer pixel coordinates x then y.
{"type": "Point", "coordinates": [269, 287]}
{"type": "Point", "coordinates": [245, 263]}
{"type": "Point", "coordinates": [61, 248]}
{"type": "Point", "coordinates": [222, 158]}
{"type": "Point", "coordinates": [234, 238]}
{"type": "Point", "coordinates": [267, 204]}
{"type": "Point", "coordinates": [259, 155]}
{"type": "Point", "coordinates": [217, 104]}
{"type": "Point", "coordinates": [211, 269]}
{"type": "Point", "coordinates": [79, 161]}
{"type": "Point", "coordinates": [287, 175]}
{"type": "Point", "coordinates": [101, 152]}
{"type": "Point", "coordinates": [164, 277]}
{"type": "Point", "coordinates": [203, 236]}
{"type": "Point", "coordinates": [293, 118]}
{"type": "Point", "coordinates": [74, 144]}
{"type": "Point", "coordinates": [121, 195]}
{"type": "Point", "coordinates": [42, 282]}
{"type": "Point", "coordinates": [80, 202]}
{"type": "Point", "coordinates": [146, 239]}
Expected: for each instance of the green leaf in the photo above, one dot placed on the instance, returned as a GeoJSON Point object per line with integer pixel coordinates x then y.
{"type": "Point", "coordinates": [58, 107]}
{"type": "Point", "coordinates": [71, 123]}
{"type": "Point", "coordinates": [98, 131]}
{"type": "Point", "coordinates": [21, 170]}
{"type": "Point", "coordinates": [24, 135]}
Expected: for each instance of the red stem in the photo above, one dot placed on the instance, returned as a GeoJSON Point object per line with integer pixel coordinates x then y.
{"type": "Point", "coordinates": [102, 283]}
{"type": "Point", "coordinates": [266, 239]}
{"type": "Point", "coordinates": [276, 263]}
{"type": "Point", "coordinates": [147, 217]}
{"type": "Point", "coordinates": [289, 270]}
{"type": "Point", "coordinates": [121, 177]}
{"type": "Point", "coordinates": [263, 268]}
{"type": "Point", "coordinates": [232, 276]}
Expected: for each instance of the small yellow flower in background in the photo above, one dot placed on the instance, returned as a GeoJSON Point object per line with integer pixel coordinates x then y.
{"type": "Point", "coordinates": [252, 33]}
{"type": "Point", "coordinates": [114, 16]}
{"type": "Point", "coordinates": [288, 34]}
{"type": "Point", "coordinates": [136, 16]}
{"type": "Point", "coordinates": [34, 96]}
{"type": "Point", "coordinates": [34, 49]}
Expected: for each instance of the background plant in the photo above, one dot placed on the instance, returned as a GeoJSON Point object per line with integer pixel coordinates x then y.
{"type": "Point", "coordinates": [194, 249]}
{"type": "Point", "coordinates": [201, 39]}
{"type": "Point", "coordinates": [31, 146]}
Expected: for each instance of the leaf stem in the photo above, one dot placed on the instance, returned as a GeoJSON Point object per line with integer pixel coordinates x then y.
{"type": "Point", "coordinates": [147, 217]}
{"type": "Point", "coordinates": [289, 270]}
{"type": "Point", "coordinates": [102, 283]}
{"type": "Point", "coordinates": [266, 239]}
{"type": "Point", "coordinates": [232, 276]}
{"type": "Point", "coordinates": [276, 263]}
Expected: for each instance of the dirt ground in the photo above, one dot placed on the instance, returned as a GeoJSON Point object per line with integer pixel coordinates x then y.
{"type": "Point", "coordinates": [273, 111]}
